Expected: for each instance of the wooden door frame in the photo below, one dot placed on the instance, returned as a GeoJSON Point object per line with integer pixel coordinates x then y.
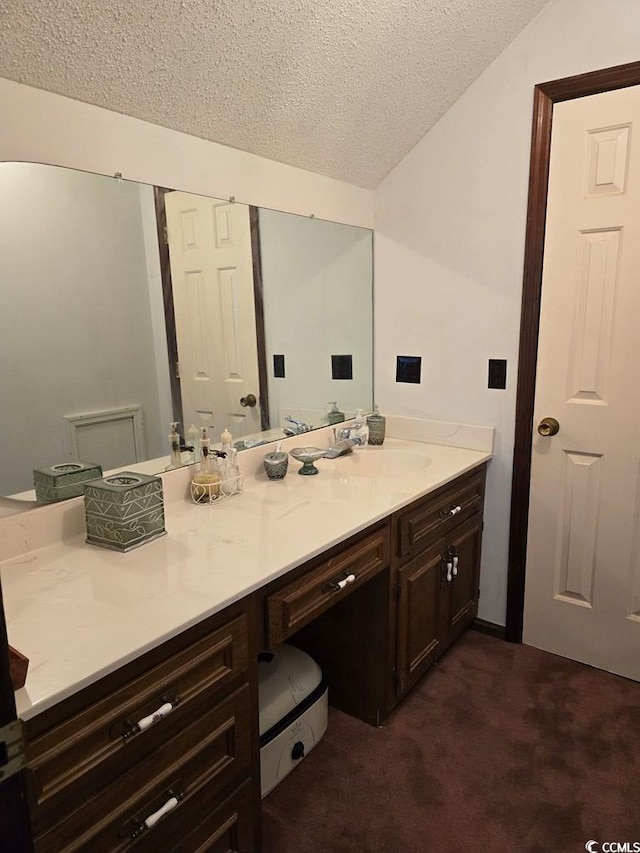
{"type": "Point", "coordinates": [15, 824]}
{"type": "Point", "coordinates": [546, 95]}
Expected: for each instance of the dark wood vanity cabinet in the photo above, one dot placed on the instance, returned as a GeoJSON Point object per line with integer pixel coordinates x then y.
{"type": "Point", "coordinates": [160, 755]}
{"type": "Point", "coordinates": [336, 608]}
{"type": "Point", "coordinates": [163, 754]}
{"type": "Point", "coordinates": [414, 588]}
{"type": "Point", "coordinates": [436, 572]}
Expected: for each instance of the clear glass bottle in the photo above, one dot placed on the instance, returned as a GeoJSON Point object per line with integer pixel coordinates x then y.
{"type": "Point", "coordinates": [224, 464]}
{"type": "Point", "coordinates": [175, 460]}
{"type": "Point", "coordinates": [360, 431]}
{"type": "Point", "coordinates": [232, 482]}
{"type": "Point", "coordinates": [206, 483]}
{"type": "Point", "coordinates": [193, 439]}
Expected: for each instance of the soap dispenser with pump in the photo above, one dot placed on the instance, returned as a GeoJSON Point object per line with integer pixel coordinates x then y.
{"type": "Point", "coordinates": [377, 427]}
{"type": "Point", "coordinates": [335, 416]}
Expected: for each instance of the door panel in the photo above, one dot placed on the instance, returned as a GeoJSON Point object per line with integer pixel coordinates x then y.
{"type": "Point", "coordinates": [419, 614]}
{"type": "Point", "coordinates": [582, 557]}
{"type": "Point", "coordinates": [212, 280]}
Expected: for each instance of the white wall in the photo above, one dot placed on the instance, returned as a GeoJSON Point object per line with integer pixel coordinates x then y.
{"type": "Point", "coordinates": [317, 279]}
{"type": "Point", "coordinates": [41, 127]}
{"type": "Point", "coordinates": [449, 246]}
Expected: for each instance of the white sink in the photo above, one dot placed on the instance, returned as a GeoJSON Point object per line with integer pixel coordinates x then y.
{"type": "Point", "coordinates": [381, 462]}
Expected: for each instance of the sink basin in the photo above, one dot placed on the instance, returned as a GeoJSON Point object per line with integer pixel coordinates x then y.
{"type": "Point", "coordinates": [381, 462]}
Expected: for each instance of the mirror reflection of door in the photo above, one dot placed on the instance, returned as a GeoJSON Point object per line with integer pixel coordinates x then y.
{"type": "Point", "coordinates": [211, 265]}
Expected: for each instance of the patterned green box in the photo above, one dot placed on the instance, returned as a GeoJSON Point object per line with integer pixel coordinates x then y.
{"type": "Point", "coordinates": [124, 510]}
{"type": "Point", "coordinates": [65, 480]}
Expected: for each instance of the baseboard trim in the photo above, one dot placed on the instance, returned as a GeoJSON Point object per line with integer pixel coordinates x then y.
{"type": "Point", "coordinates": [490, 628]}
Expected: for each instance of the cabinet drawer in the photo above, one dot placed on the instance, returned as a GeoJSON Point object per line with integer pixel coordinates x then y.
{"type": "Point", "coordinates": [106, 737]}
{"type": "Point", "coordinates": [229, 828]}
{"type": "Point", "coordinates": [308, 596]}
{"type": "Point", "coordinates": [436, 515]}
{"type": "Point", "coordinates": [183, 778]}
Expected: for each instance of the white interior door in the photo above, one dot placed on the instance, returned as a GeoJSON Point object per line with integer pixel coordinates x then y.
{"type": "Point", "coordinates": [212, 280]}
{"type": "Point", "coordinates": [582, 597]}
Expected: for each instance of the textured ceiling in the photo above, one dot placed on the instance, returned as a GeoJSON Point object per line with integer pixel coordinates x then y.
{"type": "Point", "coordinates": [340, 87]}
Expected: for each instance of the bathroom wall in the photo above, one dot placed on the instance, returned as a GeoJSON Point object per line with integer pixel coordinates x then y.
{"type": "Point", "coordinates": [68, 241]}
{"type": "Point", "coordinates": [42, 127]}
{"type": "Point", "coordinates": [325, 266]}
{"type": "Point", "coordinates": [449, 245]}
{"type": "Point", "coordinates": [450, 220]}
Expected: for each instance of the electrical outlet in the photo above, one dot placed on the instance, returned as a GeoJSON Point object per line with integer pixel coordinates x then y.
{"type": "Point", "coordinates": [497, 373]}
{"type": "Point", "coordinates": [278, 366]}
{"type": "Point", "coordinates": [408, 368]}
{"type": "Point", "coordinates": [342, 367]}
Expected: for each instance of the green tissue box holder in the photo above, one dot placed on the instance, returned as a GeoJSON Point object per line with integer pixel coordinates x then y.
{"type": "Point", "coordinates": [124, 510]}
{"type": "Point", "coordinates": [65, 480]}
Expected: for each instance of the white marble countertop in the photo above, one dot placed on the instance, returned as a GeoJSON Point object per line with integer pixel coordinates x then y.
{"type": "Point", "coordinates": [79, 612]}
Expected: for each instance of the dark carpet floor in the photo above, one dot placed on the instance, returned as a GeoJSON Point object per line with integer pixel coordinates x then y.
{"type": "Point", "coordinates": [500, 748]}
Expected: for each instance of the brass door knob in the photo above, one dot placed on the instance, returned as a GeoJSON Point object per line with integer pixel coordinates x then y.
{"type": "Point", "coordinates": [249, 400]}
{"type": "Point", "coordinates": [548, 426]}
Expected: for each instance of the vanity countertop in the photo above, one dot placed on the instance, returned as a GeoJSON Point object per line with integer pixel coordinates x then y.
{"type": "Point", "coordinates": [79, 612]}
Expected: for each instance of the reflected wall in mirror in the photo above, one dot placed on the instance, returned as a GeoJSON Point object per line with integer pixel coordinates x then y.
{"type": "Point", "coordinates": [85, 371]}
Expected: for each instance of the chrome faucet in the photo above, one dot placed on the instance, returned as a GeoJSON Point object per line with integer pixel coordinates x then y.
{"type": "Point", "coordinates": [298, 426]}
{"type": "Point", "coordinates": [348, 434]}
{"type": "Point", "coordinates": [343, 442]}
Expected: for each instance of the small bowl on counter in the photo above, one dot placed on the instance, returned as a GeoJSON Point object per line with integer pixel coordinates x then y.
{"type": "Point", "coordinates": [307, 455]}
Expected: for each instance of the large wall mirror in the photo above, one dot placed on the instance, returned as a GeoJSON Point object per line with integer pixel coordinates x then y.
{"type": "Point", "coordinates": [125, 307]}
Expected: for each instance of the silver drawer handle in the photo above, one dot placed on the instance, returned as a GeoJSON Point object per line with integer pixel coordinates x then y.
{"type": "Point", "coordinates": [454, 570]}
{"type": "Point", "coordinates": [455, 510]}
{"type": "Point", "coordinates": [152, 820]}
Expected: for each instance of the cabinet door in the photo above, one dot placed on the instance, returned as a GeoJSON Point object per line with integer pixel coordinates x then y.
{"type": "Point", "coordinates": [420, 587]}
{"type": "Point", "coordinates": [462, 590]}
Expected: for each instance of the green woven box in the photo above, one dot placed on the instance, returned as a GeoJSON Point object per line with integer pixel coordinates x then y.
{"type": "Point", "coordinates": [65, 480]}
{"type": "Point", "coordinates": [124, 510]}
